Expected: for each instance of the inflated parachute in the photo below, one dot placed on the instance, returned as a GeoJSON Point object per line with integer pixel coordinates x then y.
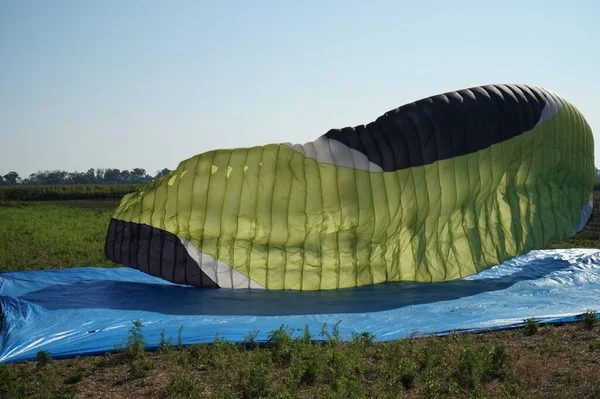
{"type": "Point", "coordinates": [438, 189]}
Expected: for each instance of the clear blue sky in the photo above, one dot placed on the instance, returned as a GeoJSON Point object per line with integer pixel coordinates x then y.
{"type": "Point", "coordinates": [126, 84]}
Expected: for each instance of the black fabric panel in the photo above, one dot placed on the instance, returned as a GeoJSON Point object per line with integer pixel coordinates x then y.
{"type": "Point", "coordinates": [524, 101]}
{"type": "Point", "coordinates": [382, 144]}
{"type": "Point", "coordinates": [109, 250]}
{"type": "Point", "coordinates": [153, 251]}
{"type": "Point", "coordinates": [354, 139]}
{"type": "Point", "coordinates": [143, 251]}
{"type": "Point", "coordinates": [369, 145]}
{"type": "Point", "coordinates": [180, 263]}
{"type": "Point", "coordinates": [193, 274]}
{"type": "Point", "coordinates": [447, 125]}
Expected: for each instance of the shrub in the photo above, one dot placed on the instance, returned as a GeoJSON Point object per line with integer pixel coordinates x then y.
{"type": "Point", "coordinates": [589, 319]}
{"type": "Point", "coordinates": [255, 381]}
{"type": "Point", "coordinates": [531, 326]}
{"type": "Point", "coordinates": [280, 343]}
{"type": "Point", "coordinates": [135, 341]}
{"type": "Point", "coordinates": [43, 358]}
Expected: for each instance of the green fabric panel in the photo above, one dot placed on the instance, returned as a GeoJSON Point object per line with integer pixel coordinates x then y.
{"type": "Point", "coordinates": [278, 238]}
{"type": "Point", "coordinates": [365, 227]}
{"type": "Point", "coordinates": [243, 251]}
{"type": "Point", "coordinates": [289, 222]}
{"type": "Point", "coordinates": [234, 180]}
{"type": "Point", "coordinates": [311, 273]}
{"type": "Point", "coordinates": [297, 219]}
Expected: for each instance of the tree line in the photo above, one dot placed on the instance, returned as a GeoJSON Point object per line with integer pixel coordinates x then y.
{"type": "Point", "coordinates": [92, 176]}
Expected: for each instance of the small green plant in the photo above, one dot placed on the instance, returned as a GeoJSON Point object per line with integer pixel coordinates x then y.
{"type": "Point", "coordinates": [250, 339]}
{"type": "Point", "coordinates": [405, 373]}
{"type": "Point", "coordinates": [477, 366]}
{"type": "Point", "coordinates": [306, 334]}
{"type": "Point", "coordinates": [182, 384]}
{"type": "Point", "coordinates": [589, 319]}
{"type": "Point", "coordinates": [363, 339]}
{"type": "Point", "coordinates": [498, 363]}
{"type": "Point", "coordinates": [471, 367]}
{"type": "Point", "coordinates": [220, 354]}
{"type": "Point", "coordinates": [13, 386]}
{"type": "Point", "coordinates": [225, 393]}
{"type": "Point", "coordinates": [334, 335]}
{"type": "Point", "coordinates": [344, 370]}
{"type": "Point", "coordinates": [139, 364]}
{"type": "Point", "coordinates": [255, 381]}
{"type": "Point", "coordinates": [135, 341]}
{"type": "Point", "coordinates": [50, 387]}
{"type": "Point", "coordinates": [454, 336]}
{"type": "Point", "coordinates": [307, 364]}
{"type": "Point", "coordinates": [280, 343]}
{"type": "Point", "coordinates": [531, 326]}
{"type": "Point", "coordinates": [75, 377]}
{"type": "Point", "coordinates": [165, 345]}
{"type": "Point", "coordinates": [43, 358]}
{"type": "Point", "coordinates": [594, 346]}
{"type": "Point", "coordinates": [140, 367]}
{"type": "Point", "coordinates": [198, 351]}
{"type": "Point", "coordinates": [179, 338]}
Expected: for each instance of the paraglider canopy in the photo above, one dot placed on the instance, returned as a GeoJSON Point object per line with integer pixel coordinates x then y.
{"type": "Point", "coordinates": [438, 189]}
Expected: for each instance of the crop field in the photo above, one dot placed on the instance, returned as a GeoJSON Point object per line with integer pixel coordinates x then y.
{"type": "Point", "coordinates": [536, 361]}
{"type": "Point", "coordinates": [65, 192]}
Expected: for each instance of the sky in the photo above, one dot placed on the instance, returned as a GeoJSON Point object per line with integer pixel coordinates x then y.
{"type": "Point", "coordinates": [147, 84]}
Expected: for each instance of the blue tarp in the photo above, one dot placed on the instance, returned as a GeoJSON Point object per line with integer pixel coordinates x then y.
{"type": "Point", "coordinates": [89, 310]}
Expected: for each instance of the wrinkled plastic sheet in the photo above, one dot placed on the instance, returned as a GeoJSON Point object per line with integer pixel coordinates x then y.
{"type": "Point", "coordinates": [89, 310]}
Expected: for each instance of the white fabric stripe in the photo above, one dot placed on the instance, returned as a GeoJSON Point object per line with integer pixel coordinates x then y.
{"type": "Point", "coordinates": [310, 151]}
{"type": "Point", "coordinates": [323, 151]}
{"type": "Point", "coordinates": [359, 160]}
{"type": "Point", "coordinates": [221, 273]}
{"type": "Point", "coordinates": [341, 154]}
{"type": "Point", "coordinates": [553, 104]}
{"type": "Point", "coordinates": [586, 213]}
{"type": "Point", "coordinates": [336, 153]}
{"type": "Point", "coordinates": [299, 148]}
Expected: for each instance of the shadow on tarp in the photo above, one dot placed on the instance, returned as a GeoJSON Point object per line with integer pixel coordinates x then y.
{"type": "Point", "coordinates": [184, 300]}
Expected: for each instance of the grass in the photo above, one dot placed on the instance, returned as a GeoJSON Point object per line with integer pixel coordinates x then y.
{"type": "Point", "coordinates": [49, 235]}
{"type": "Point", "coordinates": [535, 361]}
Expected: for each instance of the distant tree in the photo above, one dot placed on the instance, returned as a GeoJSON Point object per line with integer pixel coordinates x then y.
{"type": "Point", "coordinates": [125, 176]}
{"type": "Point", "coordinates": [81, 177]}
{"type": "Point", "coordinates": [112, 176]}
{"type": "Point", "coordinates": [48, 177]}
{"type": "Point", "coordinates": [75, 178]}
{"type": "Point", "coordinates": [162, 173]}
{"type": "Point", "coordinates": [99, 175]}
{"type": "Point", "coordinates": [56, 177]}
{"type": "Point", "coordinates": [12, 178]}
{"type": "Point", "coordinates": [92, 176]}
{"type": "Point", "coordinates": [139, 175]}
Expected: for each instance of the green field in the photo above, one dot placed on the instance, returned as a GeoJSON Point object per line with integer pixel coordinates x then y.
{"type": "Point", "coordinates": [536, 361]}
{"type": "Point", "coordinates": [39, 235]}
